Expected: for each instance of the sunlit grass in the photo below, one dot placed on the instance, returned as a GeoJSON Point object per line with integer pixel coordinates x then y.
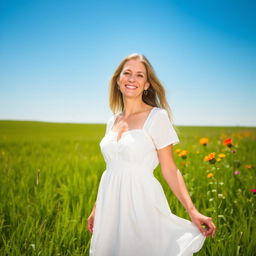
{"type": "Point", "coordinates": [49, 176]}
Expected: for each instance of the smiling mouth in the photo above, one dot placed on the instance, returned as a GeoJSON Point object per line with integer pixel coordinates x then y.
{"type": "Point", "coordinates": [131, 86]}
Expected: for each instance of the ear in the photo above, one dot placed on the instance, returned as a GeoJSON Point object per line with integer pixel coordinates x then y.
{"type": "Point", "coordinates": [147, 85]}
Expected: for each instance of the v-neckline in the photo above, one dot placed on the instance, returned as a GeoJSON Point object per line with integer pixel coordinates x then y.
{"type": "Point", "coordinates": [131, 130]}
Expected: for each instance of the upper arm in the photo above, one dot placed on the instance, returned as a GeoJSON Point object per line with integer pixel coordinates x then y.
{"type": "Point", "coordinates": [166, 159]}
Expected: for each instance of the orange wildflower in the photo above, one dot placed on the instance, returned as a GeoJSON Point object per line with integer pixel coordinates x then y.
{"type": "Point", "coordinates": [204, 141]}
{"type": "Point", "coordinates": [183, 154]}
{"type": "Point", "coordinates": [210, 175]}
{"type": "Point", "coordinates": [210, 158]}
{"type": "Point", "coordinates": [248, 166]}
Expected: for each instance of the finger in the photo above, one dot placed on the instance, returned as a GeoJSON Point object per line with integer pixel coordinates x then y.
{"type": "Point", "coordinates": [211, 229]}
{"type": "Point", "coordinates": [204, 229]}
{"type": "Point", "coordinates": [90, 226]}
{"type": "Point", "coordinates": [214, 230]}
{"type": "Point", "coordinates": [200, 227]}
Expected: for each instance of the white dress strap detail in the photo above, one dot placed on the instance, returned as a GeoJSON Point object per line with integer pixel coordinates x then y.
{"type": "Point", "coordinates": [149, 117]}
{"type": "Point", "coordinates": [147, 124]}
{"type": "Point", "coordinates": [110, 123]}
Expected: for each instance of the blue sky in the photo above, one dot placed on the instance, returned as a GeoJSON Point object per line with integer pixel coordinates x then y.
{"type": "Point", "coordinates": [57, 57]}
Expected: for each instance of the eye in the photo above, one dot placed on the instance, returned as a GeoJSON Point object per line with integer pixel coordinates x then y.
{"type": "Point", "coordinates": [140, 75]}
{"type": "Point", "coordinates": [126, 73]}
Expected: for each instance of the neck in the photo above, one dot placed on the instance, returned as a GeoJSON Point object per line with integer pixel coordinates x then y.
{"type": "Point", "coordinates": [132, 106]}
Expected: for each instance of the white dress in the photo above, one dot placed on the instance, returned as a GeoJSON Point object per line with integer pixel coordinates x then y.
{"type": "Point", "coordinates": [132, 215]}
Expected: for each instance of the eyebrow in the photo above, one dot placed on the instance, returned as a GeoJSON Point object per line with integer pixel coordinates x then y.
{"type": "Point", "coordinates": [136, 72]}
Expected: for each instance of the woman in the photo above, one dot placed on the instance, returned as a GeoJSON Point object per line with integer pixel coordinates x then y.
{"type": "Point", "coordinates": [131, 216]}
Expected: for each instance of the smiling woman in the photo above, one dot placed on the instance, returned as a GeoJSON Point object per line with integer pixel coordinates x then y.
{"type": "Point", "coordinates": [132, 216]}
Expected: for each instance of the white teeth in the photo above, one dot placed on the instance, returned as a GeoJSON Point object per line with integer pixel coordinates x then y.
{"type": "Point", "coordinates": [130, 86]}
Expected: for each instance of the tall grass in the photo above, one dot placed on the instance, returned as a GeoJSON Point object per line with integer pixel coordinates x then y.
{"type": "Point", "coordinates": [49, 175]}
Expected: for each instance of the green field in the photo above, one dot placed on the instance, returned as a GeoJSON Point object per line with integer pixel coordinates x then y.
{"type": "Point", "coordinates": [49, 176]}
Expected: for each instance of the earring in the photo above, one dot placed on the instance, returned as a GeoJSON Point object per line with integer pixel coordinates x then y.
{"type": "Point", "coordinates": [145, 92]}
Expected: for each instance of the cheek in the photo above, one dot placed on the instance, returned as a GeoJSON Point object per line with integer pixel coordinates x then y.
{"type": "Point", "coordinates": [122, 78]}
{"type": "Point", "coordinates": [142, 81]}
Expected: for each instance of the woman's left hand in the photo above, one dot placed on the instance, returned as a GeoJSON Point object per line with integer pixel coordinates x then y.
{"type": "Point", "coordinates": [199, 219]}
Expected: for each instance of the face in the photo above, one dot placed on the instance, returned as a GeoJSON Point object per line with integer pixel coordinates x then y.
{"type": "Point", "coordinates": [133, 79]}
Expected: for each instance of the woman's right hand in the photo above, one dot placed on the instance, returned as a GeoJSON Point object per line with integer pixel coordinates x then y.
{"type": "Point", "coordinates": [90, 219]}
{"type": "Point", "coordinates": [90, 222]}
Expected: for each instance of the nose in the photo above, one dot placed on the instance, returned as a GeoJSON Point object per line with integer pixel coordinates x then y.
{"type": "Point", "coordinates": [131, 78]}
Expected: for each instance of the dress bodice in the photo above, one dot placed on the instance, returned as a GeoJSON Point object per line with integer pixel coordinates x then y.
{"type": "Point", "coordinates": [138, 147]}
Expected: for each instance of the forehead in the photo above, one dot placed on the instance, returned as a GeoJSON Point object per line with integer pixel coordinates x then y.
{"type": "Point", "coordinates": [135, 65]}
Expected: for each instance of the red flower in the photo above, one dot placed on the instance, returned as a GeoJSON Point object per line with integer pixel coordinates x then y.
{"type": "Point", "coordinates": [253, 191]}
{"type": "Point", "coordinates": [227, 142]}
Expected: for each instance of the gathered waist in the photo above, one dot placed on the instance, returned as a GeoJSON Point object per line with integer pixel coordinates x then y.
{"type": "Point", "coordinates": [128, 168]}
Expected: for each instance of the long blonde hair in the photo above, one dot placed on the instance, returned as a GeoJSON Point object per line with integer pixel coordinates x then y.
{"type": "Point", "coordinates": [156, 96]}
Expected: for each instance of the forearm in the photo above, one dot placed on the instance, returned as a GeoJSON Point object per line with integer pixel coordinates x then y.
{"type": "Point", "coordinates": [176, 182]}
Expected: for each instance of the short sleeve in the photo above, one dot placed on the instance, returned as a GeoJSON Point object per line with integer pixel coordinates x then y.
{"type": "Point", "coordinates": [161, 130]}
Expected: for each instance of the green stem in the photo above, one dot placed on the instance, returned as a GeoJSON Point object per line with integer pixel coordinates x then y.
{"type": "Point", "coordinates": [217, 192]}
